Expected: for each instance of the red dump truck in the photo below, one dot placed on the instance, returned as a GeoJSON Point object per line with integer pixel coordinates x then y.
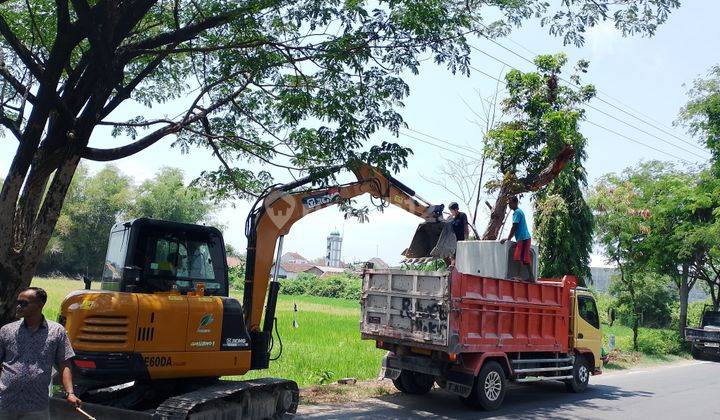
{"type": "Point", "coordinates": [473, 329]}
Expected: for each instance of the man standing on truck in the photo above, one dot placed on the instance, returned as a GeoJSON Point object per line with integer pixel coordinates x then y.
{"type": "Point", "coordinates": [522, 235]}
{"type": "Point", "coordinates": [459, 222]}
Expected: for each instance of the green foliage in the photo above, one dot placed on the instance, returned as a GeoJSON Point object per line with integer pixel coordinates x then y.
{"type": "Point", "coordinates": [236, 277]}
{"type": "Point", "coordinates": [545, 121]}
{"type": "Point", "coordinates": [660, 342]}
{"type": "Point", "coordinates": [434, 265]}
{"type": "Point", "coordinates": [95, 203]}
{"type": "Point", "coordinates": [656, 219]}
{"type": "Point", "coordinates": [264, 67]}
{"type": "Point", "coordinates": [341, 286]}
{"type": "Point", "coordinates": [91, 208]}
{"type": "Point", "coordinates": [694, 314]}
{"type": "Point", "coordinates": [652, 303]}
{"type": "Point", "coordinates": [166, 197]}
{"type": "Point", "coordinates": [702, 113]}
{"type": "Point", "coordinates": [605, 302]}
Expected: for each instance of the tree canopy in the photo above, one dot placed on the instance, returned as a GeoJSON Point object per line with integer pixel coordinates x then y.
{"type": "Point", "coordinates": [296, 84]}
{"type": "Point", "coordinates": [540, 149]}
{"type": "Point", "coordinates": [94, 203]}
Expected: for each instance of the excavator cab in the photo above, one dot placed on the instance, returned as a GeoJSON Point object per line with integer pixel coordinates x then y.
{"type": "Point", "coordinates": [149, 256]}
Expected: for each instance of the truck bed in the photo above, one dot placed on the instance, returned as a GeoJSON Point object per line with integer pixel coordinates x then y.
{"type": "Point", "coordinates": [456, 312]}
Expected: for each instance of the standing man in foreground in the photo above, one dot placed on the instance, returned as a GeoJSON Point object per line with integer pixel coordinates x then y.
{"type": "Point", "coordinates": [28, 350]}
{"type": "Point", "coordinates": [522, 235]}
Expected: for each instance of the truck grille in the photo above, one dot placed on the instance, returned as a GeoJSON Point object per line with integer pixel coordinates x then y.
{"type": "Point", "coordinates": [104, 329]}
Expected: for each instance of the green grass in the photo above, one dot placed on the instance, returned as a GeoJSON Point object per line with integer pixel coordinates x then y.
{"type": "Point", "coordinates": [326, 345]}
{"type": "Point", "coordinates": [627, 358]}
{"type": "Point", "coordinates": [57, 288]}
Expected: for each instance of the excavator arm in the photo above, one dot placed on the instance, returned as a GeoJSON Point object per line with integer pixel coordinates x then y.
{"type": "Point", "coordinates": [274, 215]}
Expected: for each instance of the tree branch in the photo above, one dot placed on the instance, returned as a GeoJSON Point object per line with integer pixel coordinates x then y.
{"type": "Point", "coordinates": [534, 182]}
{"type": "Point", "coordinates": [20, 49]}
{"type": "Point", "coordinates": [104, 155]}
{"type": "Point", "coordinates": [11, 125]}
{"type": "Point", "coordinates": [15, 83]}
{"type": "Point", "coordinates": [183, 34]}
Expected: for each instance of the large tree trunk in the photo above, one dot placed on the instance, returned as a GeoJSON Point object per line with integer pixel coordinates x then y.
{"type": "Point", "coordinates": [27, 241]}
{"type": "Point", "coordinates": [635, 328]}
{"type": "Point", "coordinates": [684, 292]}
{"type": "Point", "coordinates": [513, 186]}
{"type": "Point", "coordinates": [497, 215]}
{"type": "Point", "coordinates": [10, 285]}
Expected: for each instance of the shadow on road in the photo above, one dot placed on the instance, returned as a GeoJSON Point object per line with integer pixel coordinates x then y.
{"type": "Point", "coordinates": [543, 400]}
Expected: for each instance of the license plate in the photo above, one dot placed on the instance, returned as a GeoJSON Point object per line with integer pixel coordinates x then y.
{"type": "Point", "coordinates": [712, 344]}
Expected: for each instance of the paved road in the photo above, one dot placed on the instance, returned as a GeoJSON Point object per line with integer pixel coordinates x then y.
{"type": "Point", "coordinates": [670, 392]}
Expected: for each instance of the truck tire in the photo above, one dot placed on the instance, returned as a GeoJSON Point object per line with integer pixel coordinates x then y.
{"type": "Point", "coordinates": [581, 376]}
{"type": "Point", "coordinates": [414, 383]}
{"type": "Point", "coordinates": [696, 353]}
{"type": "Point", "coordinates": [490, 387]}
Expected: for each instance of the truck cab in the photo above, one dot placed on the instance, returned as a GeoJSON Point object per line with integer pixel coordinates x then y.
{"type": "Point", "coordinates": [585, 327]}
{"type": "Point", "coordinates": [705, 339]}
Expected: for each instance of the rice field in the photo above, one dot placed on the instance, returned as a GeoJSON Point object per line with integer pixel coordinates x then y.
{"type": "Point", "coordinates": [325, 346]}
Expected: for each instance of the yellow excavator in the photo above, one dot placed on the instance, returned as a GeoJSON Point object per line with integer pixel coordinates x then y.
{"type": "Point", "coordinates": [163, 328]}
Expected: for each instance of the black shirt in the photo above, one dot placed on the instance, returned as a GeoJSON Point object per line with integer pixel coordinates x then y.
{"type": "Point", "coordinates": [458, 224]}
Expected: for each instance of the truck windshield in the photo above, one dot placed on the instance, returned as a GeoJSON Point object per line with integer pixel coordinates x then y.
{"type": "Point", "coordinates": [711, 318]}
{"type": "Point", "coordinates": [588, 310]}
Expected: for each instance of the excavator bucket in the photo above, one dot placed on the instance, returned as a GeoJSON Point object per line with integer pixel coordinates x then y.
{"type": "Point", "coordinates": [432, 240]}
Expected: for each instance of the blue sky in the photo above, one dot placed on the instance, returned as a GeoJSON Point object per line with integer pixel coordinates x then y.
{"type": "Point", "coordinates": [646, 74]}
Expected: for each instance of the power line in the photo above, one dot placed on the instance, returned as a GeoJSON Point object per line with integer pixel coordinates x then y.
{"type": "Point", "coordinates": [600, 92]}
{"type": "Point", "coordinates": [637, 141]}
{"type": "Point", "coordinates": [597, 125]}
{"type": "Point", "coordinates": [468, 148]}
{"type": "Point", "coordinates": [589, 105]}
{"type": "Point", "coordinates": [433, 144]}
{"type": "Point", "coordinates": [597, 97]}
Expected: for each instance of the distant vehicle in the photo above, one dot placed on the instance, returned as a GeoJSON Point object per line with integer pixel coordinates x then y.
{"type": "Point", "coordinates": [478, 327]}
{"type": "Point", "coordinates": [706, 338]}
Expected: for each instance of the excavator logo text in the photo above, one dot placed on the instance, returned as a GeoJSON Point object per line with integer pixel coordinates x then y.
{"type": "Point", "coordinates": [326, 197]}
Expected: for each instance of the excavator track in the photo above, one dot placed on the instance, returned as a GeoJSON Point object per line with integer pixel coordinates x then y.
{"type": "Point", "coordinates": [266, 398]}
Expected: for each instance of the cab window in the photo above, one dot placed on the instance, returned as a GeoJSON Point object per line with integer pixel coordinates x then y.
{"type": "Point", "coordinates": [588, 310]}
{"type": "Point", "coordinates": [115, 256]}
{"type": "Point", "coordinates": [181, 262]}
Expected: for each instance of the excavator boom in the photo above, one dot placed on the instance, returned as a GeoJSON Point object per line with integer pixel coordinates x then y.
{"type": "Point", "coordinates": [279, 209]}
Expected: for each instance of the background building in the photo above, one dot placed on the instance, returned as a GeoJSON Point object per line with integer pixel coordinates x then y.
{"type": "Point", "coordinates": [333, 256]}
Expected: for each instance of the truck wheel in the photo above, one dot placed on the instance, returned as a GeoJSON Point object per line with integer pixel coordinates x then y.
{"type": "Point", "coordinates": [414, 383]}
{"type": "Point", "coordinates": [696, 353]}
{"type": "Point", "coordinates": [581, 376]}
{"type": "Point", "coordinates": [490, 387]}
